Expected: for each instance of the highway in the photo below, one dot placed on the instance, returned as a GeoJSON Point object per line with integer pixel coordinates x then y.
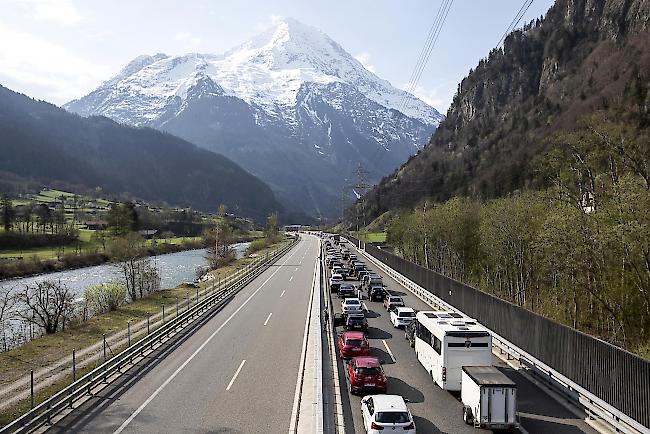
{"type": "Point", "coordinates": [237, 370]}
{"type": "Point", "coordinates": [235, 373]}
{"type": "Point", "coordinates": [435, 410]}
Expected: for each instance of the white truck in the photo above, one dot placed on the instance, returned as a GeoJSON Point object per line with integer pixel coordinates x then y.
{"type": "Point", "coordinates": [489, 398]}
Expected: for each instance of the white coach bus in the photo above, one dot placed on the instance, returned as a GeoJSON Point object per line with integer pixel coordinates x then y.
{"type": "Point", "coordinates": [447, 341]}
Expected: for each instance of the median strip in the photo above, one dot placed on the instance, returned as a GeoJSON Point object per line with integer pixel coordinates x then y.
{"type": "Point", "coordinates": [307, 412]}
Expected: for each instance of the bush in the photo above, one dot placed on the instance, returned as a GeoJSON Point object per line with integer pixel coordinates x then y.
{"type": "Point", "coordinates": [105, 297]}
{"type": "Point", "coordinates": [257, 245]}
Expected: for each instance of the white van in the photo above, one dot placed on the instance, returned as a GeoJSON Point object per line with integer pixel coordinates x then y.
{"type": "Point", "coordinates": [447, 341]}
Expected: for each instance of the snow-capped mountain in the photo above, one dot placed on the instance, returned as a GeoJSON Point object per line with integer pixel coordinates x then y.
{"type": "Point", "coordinates": [290, 105]}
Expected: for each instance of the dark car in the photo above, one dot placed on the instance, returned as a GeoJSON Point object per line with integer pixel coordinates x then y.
{"type": "Point", "coordinates": [376, 293]}
{"type": "Point", "coordinates": [362, 273]}
{"type": "Point", "coordinates": [356, 322]}
{"type": "Point", "coordinates": [347, 290]}
{"type": "Point", "coordinates": [409, 333]}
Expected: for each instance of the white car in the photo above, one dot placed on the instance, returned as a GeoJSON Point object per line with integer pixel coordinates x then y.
{"type": "Point", "coordinates": [386, 411]}
{"type": "Point", "coordinates": [402, 316]}
{"type": "Point", "coordinates": [392, 302]}
{"type": "Point", "coordinates": [350, 305]}
{"type": "Point", "coordinates": [336, 280]}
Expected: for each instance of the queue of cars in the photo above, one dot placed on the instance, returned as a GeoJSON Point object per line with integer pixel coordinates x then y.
{"type": "Point", "coordinates": [364, 372]}
{"type": "Point", "coordinates": [453, 348]}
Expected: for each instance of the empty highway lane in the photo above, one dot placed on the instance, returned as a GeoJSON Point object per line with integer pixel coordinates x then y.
{"type": "Point", "coordinates": [237, 373]}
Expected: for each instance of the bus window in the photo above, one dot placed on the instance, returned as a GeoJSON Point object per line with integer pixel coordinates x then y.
{"type": "Point", "coordinates": [437, 345]}
{"type": "Point", "coordinates": [424, 333]}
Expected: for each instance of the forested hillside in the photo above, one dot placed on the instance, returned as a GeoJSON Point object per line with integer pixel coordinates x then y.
{"type": "Point", "coordinates": [577, 252]}
{"type": "Point", "coordinates": [585, 55]}
{"type": "Point", "coordinates": [536, 185]}
{"type": "Point", "coordinates": [41, 143]}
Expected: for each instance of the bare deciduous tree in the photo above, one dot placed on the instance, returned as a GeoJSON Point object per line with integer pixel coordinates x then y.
{"type": "Point", "coordinates": [7, 302]}
{"type": "Point", "coordinates": [45, 304]}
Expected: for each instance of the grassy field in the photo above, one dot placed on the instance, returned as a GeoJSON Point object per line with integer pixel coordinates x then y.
{"type": "Point", "coordinates": [371, 237]}
{"type": "Point", "coordinates": [39, 252]}
{"type": "Point", "coordinates": [174, 240]}
{"type": "Point", "coordinates": [47, 349]}
{"type": "Point", "coordinates": [86, 245]}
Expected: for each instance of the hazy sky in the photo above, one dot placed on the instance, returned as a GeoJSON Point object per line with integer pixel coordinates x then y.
{"type": "Point", "coordinates": [58, 50]}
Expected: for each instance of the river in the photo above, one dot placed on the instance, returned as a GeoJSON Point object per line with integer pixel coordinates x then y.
{"type": "Point", "coordinates": [175, 268]}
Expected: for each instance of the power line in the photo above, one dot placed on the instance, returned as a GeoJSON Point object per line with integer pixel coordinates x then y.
{"type": "Point", "coordinates": [416, 74]}
{"type": "Point", "coordinates": [427, 42]}
{"type": "Point", "coordinates": [515, 21]}
{"type": "Point", "coordinates": [430, 43]}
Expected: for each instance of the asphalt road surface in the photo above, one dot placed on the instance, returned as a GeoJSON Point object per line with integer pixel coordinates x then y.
{"type": "Point", "coordinates": [234, 374]}
{"type": "Point", "coordinates": [436, 410]}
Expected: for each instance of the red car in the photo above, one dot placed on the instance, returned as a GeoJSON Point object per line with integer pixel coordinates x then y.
{"type": "Point", "coordinates": [366, 373]}
{"type": "Point", "coordinates": [352, 344]}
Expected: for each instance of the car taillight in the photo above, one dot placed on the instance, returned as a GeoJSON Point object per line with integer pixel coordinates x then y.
{"type": "Point", "coordinates": [410, 426]}
{"type": "Point", "coordinates": [444, 374]}
{"type": "Point", "coordinates": [375, 426]}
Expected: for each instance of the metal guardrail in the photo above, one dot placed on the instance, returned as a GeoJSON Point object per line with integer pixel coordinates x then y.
{"type": "Point", "coordinates": [592, 404]}
{"type": "Point", "coordinates": [65, 398]}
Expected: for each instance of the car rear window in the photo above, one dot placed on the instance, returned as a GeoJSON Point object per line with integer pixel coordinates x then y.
{"type": "Point", "coordinates": [407, 314]}
{"type": "Point", "coordinates": [353, 302]}
{"type": "Point", "coordinates": [393, 417]}
{"type": "Point", "coordinates": [354, 342]}
{"type": "Point", "coordinates": [369, 371]}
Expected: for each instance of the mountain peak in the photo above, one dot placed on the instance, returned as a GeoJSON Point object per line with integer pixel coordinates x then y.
{"type": "Point", "coordinates": [290, 44]}
{"type": "Point", "coordinates": [267, 71]}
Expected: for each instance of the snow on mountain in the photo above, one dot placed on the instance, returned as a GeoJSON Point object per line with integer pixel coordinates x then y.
{"type": "Point", "coordinates": [290, 105]}
{"type": "Point", "coordinates": [267, 71]}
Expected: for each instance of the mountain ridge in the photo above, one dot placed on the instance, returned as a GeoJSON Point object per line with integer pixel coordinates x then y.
{"type": "Point", "coordinates": [584, 56]}
{"type": "Point", "coordinates": [274, 90]}
{"type": "Point", "coordinates": [45, 143]}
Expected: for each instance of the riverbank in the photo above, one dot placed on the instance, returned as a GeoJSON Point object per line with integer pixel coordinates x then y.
{"type": "Point", "coordinates": [44, 351]}
{"type": "Point", "coordinates": [33, 266]}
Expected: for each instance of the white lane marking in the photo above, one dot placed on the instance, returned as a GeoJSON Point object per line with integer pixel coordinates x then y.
{"type": "Point", "coordinates": [291, 278]}
{"type": "Point", "coordinates": [234, 377]}
{"type": "Point", "coordinates": [198, 350]}
{"type": "Point", "coordinates": [365, 307]}
{"type": "Point", "coordinates": [268, 318]}
{"type": "Point", "coordinates": [283, 291]}
{"type": "Point", "coordinates": [390, 353]}
{"type": "Point", "coordinates": [297, 267]}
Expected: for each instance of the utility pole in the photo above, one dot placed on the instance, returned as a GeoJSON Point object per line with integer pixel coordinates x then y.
{"type": "Point", "coordinates": [360, 187]}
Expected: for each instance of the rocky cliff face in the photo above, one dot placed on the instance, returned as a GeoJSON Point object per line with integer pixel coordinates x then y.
{"type": "Point", "coordinates": [585, 55]}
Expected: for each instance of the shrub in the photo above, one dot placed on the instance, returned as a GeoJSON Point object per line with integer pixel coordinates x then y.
{"type": "Point", "coordinates": [105, 297]}
{"type": "Point", "coordinates": [257, 245]}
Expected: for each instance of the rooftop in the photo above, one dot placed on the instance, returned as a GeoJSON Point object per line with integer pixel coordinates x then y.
{"type": "Point", "coordinates": [389, 402]}
{"type": "Point", "coordinates": [367, 362]}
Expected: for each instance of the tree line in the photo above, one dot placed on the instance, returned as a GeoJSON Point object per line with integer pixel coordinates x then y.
{"type": "Point", "coordinates": [577, 252]}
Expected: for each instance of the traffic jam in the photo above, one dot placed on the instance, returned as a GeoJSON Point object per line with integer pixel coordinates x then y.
{"type": "Point", "coordinates": [453, 349]}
